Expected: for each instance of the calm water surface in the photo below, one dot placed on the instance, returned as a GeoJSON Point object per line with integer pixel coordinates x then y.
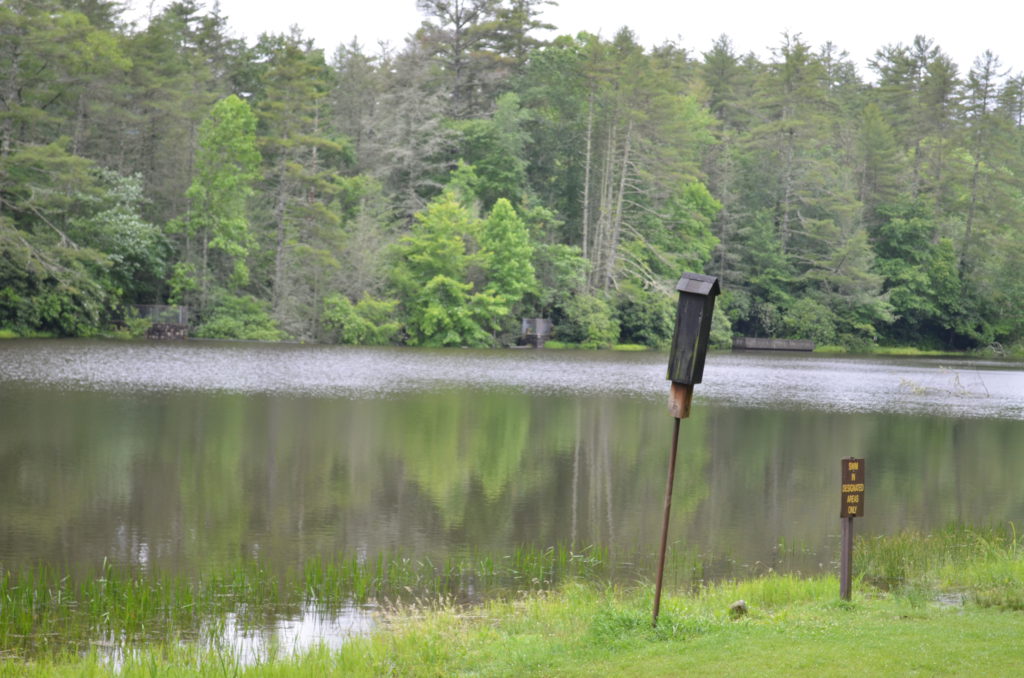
{"type": "Point", "coordinates": [179, 456]}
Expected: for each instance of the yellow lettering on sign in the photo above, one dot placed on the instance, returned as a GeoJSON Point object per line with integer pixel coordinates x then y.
{"type": "Point", "coordinates": [851, 487]}
{"type": "Point", "coordinates": [853, 477]}
{"type": "Point", "coordinates": [853, 499]}
{"type": "Point", "coordinates": [853, 466]}
{"type": "Point", "coordinates": [851, 510]}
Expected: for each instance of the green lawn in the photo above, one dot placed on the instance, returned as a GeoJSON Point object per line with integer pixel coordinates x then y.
{"type": "Point", "coordinates": [794, 628]}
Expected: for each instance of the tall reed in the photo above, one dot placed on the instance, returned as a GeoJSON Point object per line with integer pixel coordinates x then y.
{"type": "Point", "coordinates": [43, 608]}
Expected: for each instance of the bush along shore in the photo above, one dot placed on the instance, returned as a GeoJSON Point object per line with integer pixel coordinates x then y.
{"type": "Point", "coordinates": [948, 603]}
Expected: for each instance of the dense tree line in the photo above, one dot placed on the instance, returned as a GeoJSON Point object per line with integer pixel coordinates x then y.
{"type": "Point", "coordinates": [435, 193]}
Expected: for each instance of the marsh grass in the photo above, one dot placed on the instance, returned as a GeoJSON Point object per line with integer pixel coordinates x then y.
{"type": "Point", "coordinates": [535, 612]}
{"type": "Point", "coordinates": [912, 351]}
{"type": "Point", "coordinates": [7, 333]}
{"type": "Point", "coordinates": [909, 351]}
{"type": "Point", "coordinates": [44, 609]}
{"type": "Point", "coordinates": [831, 348]}
{"type": "Point", "coordinates": [987, 564]}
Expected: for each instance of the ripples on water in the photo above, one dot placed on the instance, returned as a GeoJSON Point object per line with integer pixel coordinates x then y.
{"type": "Point", "coordinates": [951, 387]}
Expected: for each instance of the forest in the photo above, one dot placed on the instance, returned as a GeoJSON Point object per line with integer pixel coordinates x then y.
{"type": "Point", "coordinates": [435, 193]}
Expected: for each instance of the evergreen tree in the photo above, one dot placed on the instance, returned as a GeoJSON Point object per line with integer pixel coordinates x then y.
{"type": "Point", "coordinates": [458, 36]}
{"type": "Point", "coordinates": [174, 82]}
{"type": "Point", "coordinates": [495, 148]}
{"type": "Point", "coordinates": [305, 184]}
{"type": "Point", "coordinates": [508, 254]}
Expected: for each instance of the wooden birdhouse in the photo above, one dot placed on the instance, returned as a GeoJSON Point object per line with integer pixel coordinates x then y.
{"type": "Point", "coordinates": [693, 327]}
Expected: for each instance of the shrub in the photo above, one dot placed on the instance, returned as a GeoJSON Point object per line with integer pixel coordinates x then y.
{"type": "Point", "coordinates": [589, 322]}
{"type": "Point", "coordinates": [367, 322]}
{"type": "Point", "coordinates": [244, 317]}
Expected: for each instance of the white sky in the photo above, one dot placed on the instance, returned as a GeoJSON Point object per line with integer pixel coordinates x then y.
{"type": "Point", "coordinates": [963, 30]}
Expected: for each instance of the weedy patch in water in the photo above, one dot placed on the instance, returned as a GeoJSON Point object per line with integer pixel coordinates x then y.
{"type": "Point", "coordinates": [986, 562]}
{"type": "Point", "coordinates": [47, 612]}
{"type": "Point", "coordinates": [44, 609]}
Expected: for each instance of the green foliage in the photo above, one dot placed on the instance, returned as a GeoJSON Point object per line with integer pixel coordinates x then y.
{"type": "Point", "coordinates": [242, 317]}
{"type": "Point", "coordinates": [920, 271]}
{"type": "Point", "coordinates": [808, 319]}
{"type": "Point", "coordinates": [645, 317]}
{"type": "Point", "coordinates": [494, 147]}
{"type": "Point", "coordinates": [689, 241]}
{"type": "Point", "coordinates": [183, 281]}
{"type": "Point", "coordinates": [589, 321]}
{"type": "Point", "coordinates": [843, 281]}
{"type": "Point", "coordinates": [52, 288]}
{"type": "Point", "coordinates": [561, 273]}
{"type": "Point", "coordinates": [218, 238]}
{"type": "Point", "coordinates": [440, 306]}
{"type": "Point", "coordinates": [72, 244]}
{"type": "Point", "coordinates": [448, 315]}
{"type": "Point", "coordinates": [505, 244]}
{"type": "Point", "coordinates": [131, 170]}
{"type": "Point", "coordinates": [437, 243]}
{"type": "Point", "coordinates": [135, 327]}
{"type": "Point", "coordinates": [138, 251]}
{"type": "Point", "coordinates": [369, 321]}
{"type": "Point", "coordinates": [721, 329]}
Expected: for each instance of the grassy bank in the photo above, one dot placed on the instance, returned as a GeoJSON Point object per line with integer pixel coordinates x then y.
{"type": "Point", "coordinates": [892, 351]}
{"type": "Point", "coordinates": [948, 604]}
{"type": "Point", "coordinates": [794, 628]}
{"type": "Point", "coordinates": [1014, 351]}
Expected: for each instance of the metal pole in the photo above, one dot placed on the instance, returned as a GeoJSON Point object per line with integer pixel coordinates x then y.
{"type": "Point", "coordinates": [846, 559]}
{"type": "Point", "coordinates": [664, 524]}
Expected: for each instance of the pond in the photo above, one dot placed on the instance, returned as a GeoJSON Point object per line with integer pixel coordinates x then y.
{"type": "Point", "coordinates": [186, 456]}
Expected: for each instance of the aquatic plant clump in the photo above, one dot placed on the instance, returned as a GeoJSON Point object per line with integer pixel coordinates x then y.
{"type": "Point", "coordinates": [44, 609]}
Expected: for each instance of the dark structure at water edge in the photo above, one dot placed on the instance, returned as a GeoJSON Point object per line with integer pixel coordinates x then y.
{"type": "Point", "coordinates": [766, 344]}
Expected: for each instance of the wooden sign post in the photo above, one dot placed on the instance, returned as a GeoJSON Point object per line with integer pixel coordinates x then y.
{"type": "Point", "coordinates": [851, 506]}
{"type": "Point", "coordinates": [685, 368]}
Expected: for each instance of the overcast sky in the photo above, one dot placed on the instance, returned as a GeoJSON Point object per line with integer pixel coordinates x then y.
{"type": "Point", "coordinates": [963, 30]}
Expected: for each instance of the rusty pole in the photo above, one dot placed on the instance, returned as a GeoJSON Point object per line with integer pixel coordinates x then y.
{"type": "Point", "coordinates": [664, 524]}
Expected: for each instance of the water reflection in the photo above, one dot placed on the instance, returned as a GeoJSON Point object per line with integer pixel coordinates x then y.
{"type": "Point", "coordinates": [289, 635]}
{"type": "Point", "coordinates": [241, 643]}
{"type": "Point", "coordinates": [183, 480]}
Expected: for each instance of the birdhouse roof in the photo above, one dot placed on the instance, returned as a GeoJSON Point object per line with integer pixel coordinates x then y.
{"type": "Point", "coordinates": [696, 283]}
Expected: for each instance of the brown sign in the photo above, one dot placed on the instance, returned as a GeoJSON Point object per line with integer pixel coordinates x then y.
{"type": "Point", "coordinates": [853, 488]}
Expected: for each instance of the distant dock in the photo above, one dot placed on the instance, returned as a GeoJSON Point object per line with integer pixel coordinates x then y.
{"type": "Point", "coordinates": [166, 322]}
{"type": "Point", "coordinates": [765, 344]}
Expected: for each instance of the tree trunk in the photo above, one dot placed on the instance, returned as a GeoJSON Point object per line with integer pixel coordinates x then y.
{"type": "Point", "coordinates": [616, 224]}
{"type": "Point", "coordinates": [586, 175]}
{"type": "Point", "coordinates": [279, 219]}
{"type": "Point", "coordinates": [969, 225]}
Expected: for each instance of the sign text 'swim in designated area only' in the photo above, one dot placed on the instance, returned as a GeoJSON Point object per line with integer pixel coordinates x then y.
{"type": "Point", "coordinates": [851, 506]}
{"type": "Point", "coordinates": [853, 489]}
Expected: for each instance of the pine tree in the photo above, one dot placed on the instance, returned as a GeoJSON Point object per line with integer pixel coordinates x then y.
{"type": "Point", "coordinates": [505, 244]}
{"type": "Point", "coordinates": [305, 180]}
